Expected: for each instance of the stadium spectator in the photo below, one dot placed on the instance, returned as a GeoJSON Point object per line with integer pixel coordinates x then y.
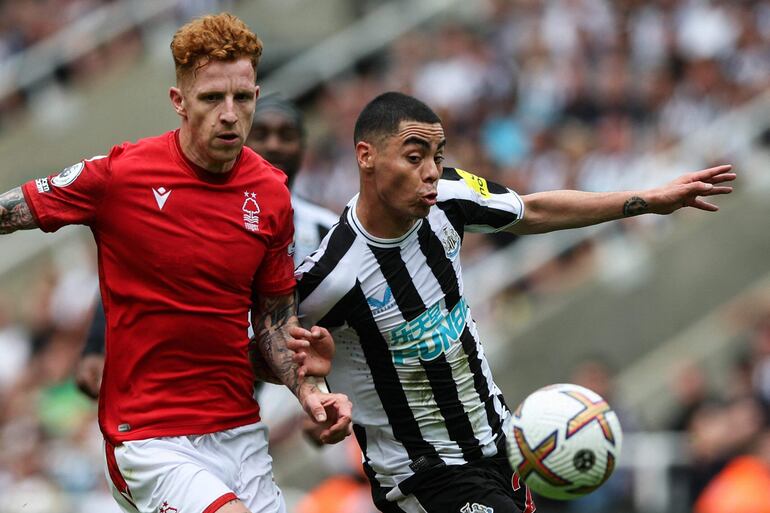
{"type": "Point", "coordinates": [189, 401]}
{"type": "Point", "coordinates": [743, 485]}
{"type": "Point", "coordinates": [428, 416]}
{"type": "Point", "coordinates": [346, 490]}
{"type": "Point", "coordinates": [689, 390]}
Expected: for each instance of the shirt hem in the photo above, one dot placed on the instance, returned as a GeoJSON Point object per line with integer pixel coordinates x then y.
{"type": "Point", "coordinates": [214, 506]}
{"type": "Point", "coordinates": [183, 430]}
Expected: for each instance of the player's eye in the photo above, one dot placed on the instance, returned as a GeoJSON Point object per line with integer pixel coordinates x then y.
{"type": "Point", "coordinates": [439, 159]}
{"type": "Point", "coordinates": [414, 159]}
{"type": "Point", "coordinates": [289, 134]}
{"type": "Point", "coordinates": [211, 97]}
{"type": "Point", "coordinates": [243, 97]}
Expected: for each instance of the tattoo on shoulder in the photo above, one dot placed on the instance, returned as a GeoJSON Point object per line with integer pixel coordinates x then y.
{"type": "Point", "coordinates": [14, 212]}
{"type": "Point", "coordinates": [634, 206]}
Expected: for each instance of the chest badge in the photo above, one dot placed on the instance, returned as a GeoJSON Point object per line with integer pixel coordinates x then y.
{"type": "Point", "coordinates": [451, 241]}
{"type": "Point", "coordinates": [251, 212]}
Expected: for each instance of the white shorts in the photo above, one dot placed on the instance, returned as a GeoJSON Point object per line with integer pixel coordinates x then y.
{"type": "Point", "coordinates": [196, 473]}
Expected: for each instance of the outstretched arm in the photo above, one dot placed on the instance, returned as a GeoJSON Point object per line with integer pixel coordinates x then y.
{"type": "Point", "coordinates": [15, 213]}
{"type": "Point", "coordinates": [559, 210]}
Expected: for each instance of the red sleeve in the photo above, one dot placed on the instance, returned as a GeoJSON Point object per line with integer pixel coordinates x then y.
{"type": "Point", "coordinates": [71, 197]}
{"type": "Point", "coordinates": [275, 276]}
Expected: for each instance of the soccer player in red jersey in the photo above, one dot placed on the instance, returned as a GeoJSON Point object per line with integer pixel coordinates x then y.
{"type": "Point", "coordinates": [193, 230]}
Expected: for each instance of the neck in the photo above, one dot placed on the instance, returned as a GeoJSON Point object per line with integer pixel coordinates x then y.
{"type": "Point", "coordinates": [192, 153]}
{"type": "Point", "coordinates": [381, 222]}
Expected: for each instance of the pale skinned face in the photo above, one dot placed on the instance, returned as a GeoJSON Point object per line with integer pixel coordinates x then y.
{"type": "Point", "coordinates": [216, 106]}
{"type": "Point", "coordinates": [399, 176]}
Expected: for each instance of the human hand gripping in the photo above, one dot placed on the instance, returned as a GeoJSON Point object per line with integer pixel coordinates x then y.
{"type": "Point", "coordinates": [282, 345]}
{"type": "Point", "coordinates": [313, 349]}
{"type": "Point", "coordinates": [688, 191]}
{"type": "Point", "coordinates": [330, 413]}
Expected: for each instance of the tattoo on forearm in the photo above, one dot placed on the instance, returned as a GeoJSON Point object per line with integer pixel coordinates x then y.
{"type": "Point", "coordinates": [634, 206]}
{"type": "Point", "coordinates": [272, 320]}
{"type": "Point", "coordinates": [262, 370]}
{"type": "Point", "coordinates": [14, 212]}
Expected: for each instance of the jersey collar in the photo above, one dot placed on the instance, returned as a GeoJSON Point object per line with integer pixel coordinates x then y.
{"type": "Point", "coordinates": [200, 172]}
{"type": "Point", "coordinates": [358, 227]}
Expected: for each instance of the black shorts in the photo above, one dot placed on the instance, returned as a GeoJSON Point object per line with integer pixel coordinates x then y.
{"type": "Point", "coordinates": [485, 486]}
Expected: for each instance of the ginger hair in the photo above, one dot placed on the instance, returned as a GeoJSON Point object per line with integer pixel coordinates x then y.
{"type": "Point", "coordinates": [220, 37]}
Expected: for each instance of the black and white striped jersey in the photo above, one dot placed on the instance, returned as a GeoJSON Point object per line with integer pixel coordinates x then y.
{"type": "Point", "coordinates": [311, 223]}
{"type": "Point", "coordinates": [408, 352]}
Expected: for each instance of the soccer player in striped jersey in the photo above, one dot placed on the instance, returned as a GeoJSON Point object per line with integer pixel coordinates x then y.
{"type": "Point", "coordinates": [387, 282]}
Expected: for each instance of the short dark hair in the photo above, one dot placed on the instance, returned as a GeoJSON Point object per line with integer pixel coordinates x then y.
{"type": "Point", "coordinates": [382, 116]}
{"type": "Point", "coordinates": [274, 102]}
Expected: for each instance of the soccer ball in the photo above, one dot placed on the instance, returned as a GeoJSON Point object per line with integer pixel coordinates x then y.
{"type": "Point", "coordinates": [564, 441]}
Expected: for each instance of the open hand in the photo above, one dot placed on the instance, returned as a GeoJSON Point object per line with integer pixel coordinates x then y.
{"type": "Point", "coordinates": [689, 189]}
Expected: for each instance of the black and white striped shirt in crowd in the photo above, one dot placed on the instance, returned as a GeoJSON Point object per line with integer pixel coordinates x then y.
{"type": "Point", "coordinates": [408, 352]}
{"type": "Point", "coordinates": [311, 223]}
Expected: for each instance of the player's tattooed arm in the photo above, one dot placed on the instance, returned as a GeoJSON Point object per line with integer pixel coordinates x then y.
{"type": "Point", "coordinates": [635, 206]}
{"type": "Point", "coordinates": [262, 370]}
{"type": "Point", "coordinates": [14, 212]}
{"type": "Point", "coordinates": [272, 318]}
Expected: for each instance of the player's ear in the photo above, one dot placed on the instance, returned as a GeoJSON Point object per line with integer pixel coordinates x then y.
{"type": "Point", "coordinates": [365, 153]}
{"type": "Point", "coordinates": [177, 100]}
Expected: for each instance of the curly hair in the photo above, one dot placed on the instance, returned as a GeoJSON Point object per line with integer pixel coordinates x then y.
{"type": "Point", "coordinates": [220, 37]}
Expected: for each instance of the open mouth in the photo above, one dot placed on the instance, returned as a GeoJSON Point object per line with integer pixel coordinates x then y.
{"type": "Point", "coordinates": [230, 137]}
{"type": "Point", "coordinates": [430, 198]}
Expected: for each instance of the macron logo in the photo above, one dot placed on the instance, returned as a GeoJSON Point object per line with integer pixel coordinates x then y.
{"type": "Point", "coordinates": [161, 195]}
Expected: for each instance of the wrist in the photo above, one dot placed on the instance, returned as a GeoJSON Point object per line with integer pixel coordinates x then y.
{"type": "Point", "coordinates": [318, 382]}
{"type": "Point", "coordinates": [306, 388]}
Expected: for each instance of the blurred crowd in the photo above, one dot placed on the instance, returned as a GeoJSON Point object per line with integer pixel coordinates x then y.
{"type": "Point", "coordinates": [50, 445]}
{"type": "Point", "coordinates": [729, 428]}
{"type": "Point", "coordinates": [25, 23]}
{"type": "Point", "coordinates": [542, 95]}
{"type": "Point", "coordinates": [533, 94]}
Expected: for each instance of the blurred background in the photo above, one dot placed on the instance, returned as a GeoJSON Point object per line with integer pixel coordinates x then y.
{"type": "Point", "coordinates": [667, 318]}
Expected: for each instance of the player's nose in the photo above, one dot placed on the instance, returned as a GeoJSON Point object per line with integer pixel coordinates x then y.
{"type": "Point", "coordinates": [432, 172]}
{"type": "Point", "coordinates": [228, 114]}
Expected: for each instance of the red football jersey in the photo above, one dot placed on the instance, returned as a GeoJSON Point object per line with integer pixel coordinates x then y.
{"type": "Point", "coordinates": [181, 253]}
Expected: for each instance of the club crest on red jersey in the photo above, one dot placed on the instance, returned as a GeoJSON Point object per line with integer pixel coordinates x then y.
{"type": "Point", "coordinates": [165, 508]}
{"type": "Point", "coordinates": [251, 212]}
